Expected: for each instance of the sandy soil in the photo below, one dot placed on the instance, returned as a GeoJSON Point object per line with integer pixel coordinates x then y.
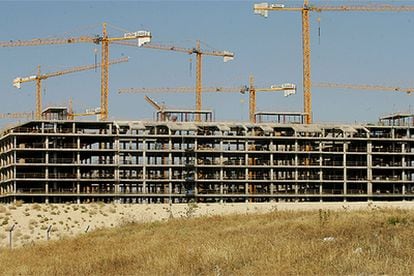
{"type": "Point", "coordinates": [32, 221]}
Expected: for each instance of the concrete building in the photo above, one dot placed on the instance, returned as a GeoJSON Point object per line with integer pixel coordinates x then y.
{"type": "Point", "coordinates": [58, 160]}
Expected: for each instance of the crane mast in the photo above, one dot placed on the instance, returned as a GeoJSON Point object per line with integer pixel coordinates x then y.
{"type": "Point", "coordinates": [252, 100]}
{"type": "Point", "coordinates": [39, 101]}
{"type": "Point", "coordinates": [104, 74]}
{"type": "Point", "coordinates": [198, 81]}
{"type": "Point", "coordinates": [307, 93]}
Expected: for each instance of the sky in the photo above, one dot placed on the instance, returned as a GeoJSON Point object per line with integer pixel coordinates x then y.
{"type": "Point", "coordinates": [352, 48]}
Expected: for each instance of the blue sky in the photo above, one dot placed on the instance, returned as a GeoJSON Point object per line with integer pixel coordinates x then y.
{"type": "Point", "coordinates": [355, 48]}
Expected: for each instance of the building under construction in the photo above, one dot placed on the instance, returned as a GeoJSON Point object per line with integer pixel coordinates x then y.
{"type": "Point", "coordinates": [279, 159]}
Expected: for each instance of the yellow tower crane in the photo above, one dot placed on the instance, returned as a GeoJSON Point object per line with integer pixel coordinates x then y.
{"type": "Point", "coordinates": [264, 8]}
{"type": "Point", "coordinates": [39, 77]}
{"type": "Point", "coordinates": [227, 56]}
{"type": "Point", "coordinates": [288, 88]}
{"type": "Point", "coordinates": [407, 90]}
{"type": "Point", "coordinates": [142, 37]}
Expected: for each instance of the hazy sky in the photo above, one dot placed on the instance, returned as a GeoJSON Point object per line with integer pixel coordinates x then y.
{"type": "Point", "coordinates": [355, 48]}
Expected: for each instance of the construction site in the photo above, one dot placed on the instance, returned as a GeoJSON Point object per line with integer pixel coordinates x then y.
{"type": "Point", "coordinates": [170, 161]}
{"type": "Point", "coordinates": [187, 156]}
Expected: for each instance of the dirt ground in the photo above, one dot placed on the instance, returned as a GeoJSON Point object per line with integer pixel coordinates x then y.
{"type": "Point", "coordinates": [34, 223]}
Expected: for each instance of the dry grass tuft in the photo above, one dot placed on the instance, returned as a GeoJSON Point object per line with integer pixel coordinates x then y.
{"type": "Point", "coordinates": [283, 243]}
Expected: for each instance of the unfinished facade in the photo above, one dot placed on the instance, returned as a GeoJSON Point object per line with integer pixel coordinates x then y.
{"type": "Point", "coordinates": [161, 162]}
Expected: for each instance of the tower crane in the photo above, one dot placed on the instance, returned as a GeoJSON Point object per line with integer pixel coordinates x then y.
{"type": "Point", "coordinates": [39, 77]}
{"type": "Point", "coordinates": [142, 37]}
{"type": "Point", "coordinates": [264, 8]}
{"type": "Point", "coordinates": [288, 88]}
{"type": "Point", "coordinates": [409, 91]}
{"type": "Point", "coordinates": [227, 56]}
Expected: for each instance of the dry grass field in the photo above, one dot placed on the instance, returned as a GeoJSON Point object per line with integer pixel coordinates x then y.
{"type": "Point", "coordinates": [322, 242]}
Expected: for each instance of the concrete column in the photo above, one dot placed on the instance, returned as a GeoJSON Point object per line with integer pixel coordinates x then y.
{"type": "Point", "coordinates": [47, 169]}
{"type": "Point", "coordinates": [14, 160]}
{"type": "Point", "coordinates": [369, 168]}
{"type": "Point", "coordinates": [195, 158]}
{"type": "Point", "coordinates": [296, 167]}
{"type": "Point", "coordinates": [170, 192]}
{"type": "Point", "coordinates": [117, 164]}
{"type": "Point", "coordinates": [221, 192]}
{"type": "Point", "coordinates": [78, 173]}
{"type": "Point", "coordinates": [403, 165]}
{"type": "Point", "coordinates": [272, 187]}
{"type": "Point", "coordinates": [221, 170]}
{"type": "Point", "coordinates": [78, 162]}
{"type": "Point", "coordinates": [246, 188]}
{"type": "Point", "coordinates": [170, 171]}
{"type": "Point", "coordinates": [320, 167]}
{"type": "Point", "coordinates": [15, 142]}
{"type": "Point", "coordinates": [144, 166]}
{"type": "Point", "coordinates": [345, 149]}
{"type": "Point", "coordinates": [246, 171]}
{"type": "Point", "coordinates": [195, 161]}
